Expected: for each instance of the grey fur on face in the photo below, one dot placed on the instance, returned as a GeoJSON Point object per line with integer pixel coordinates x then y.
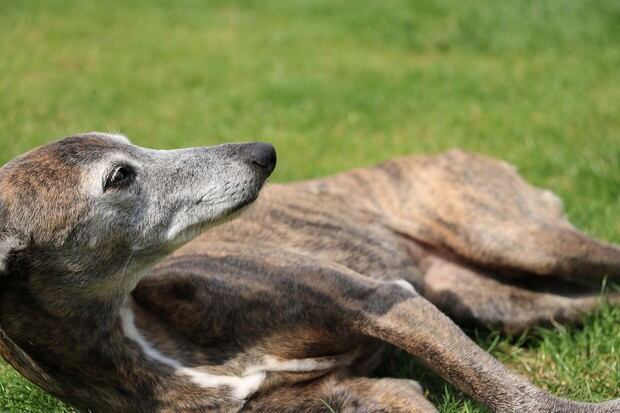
{"type": "Point", "coordinates": [103, 231]}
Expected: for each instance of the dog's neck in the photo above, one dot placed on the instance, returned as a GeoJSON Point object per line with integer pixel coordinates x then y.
{"type": "Point", "coordinates": [92, 312]}
{"type": "Point", "coordinates": [43, 332]}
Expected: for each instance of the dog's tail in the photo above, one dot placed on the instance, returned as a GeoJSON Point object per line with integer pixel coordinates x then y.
{"type": "Point", "coordinates": [415, 325]}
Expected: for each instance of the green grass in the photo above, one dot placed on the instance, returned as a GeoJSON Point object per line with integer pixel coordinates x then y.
{"type": "Point", "coordinates": [338, 84]}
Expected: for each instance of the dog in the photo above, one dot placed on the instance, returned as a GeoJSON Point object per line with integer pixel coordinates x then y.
{"type": "Point", "coordinates": [119, 291]}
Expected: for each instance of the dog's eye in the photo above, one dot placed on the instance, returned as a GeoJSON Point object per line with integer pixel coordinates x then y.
{"type": "Point", "coordinates": [119, 178]}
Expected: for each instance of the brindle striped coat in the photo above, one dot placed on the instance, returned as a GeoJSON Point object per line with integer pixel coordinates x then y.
{"type": "Point", "coordinates": [287, 307]}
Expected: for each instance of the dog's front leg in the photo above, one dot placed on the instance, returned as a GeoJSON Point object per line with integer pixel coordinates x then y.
{"type": "Point", "coordinates": [398, 315]}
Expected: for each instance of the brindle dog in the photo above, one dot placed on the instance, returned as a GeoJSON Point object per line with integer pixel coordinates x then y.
{"type": "Point", "coordinates": [287, 308]}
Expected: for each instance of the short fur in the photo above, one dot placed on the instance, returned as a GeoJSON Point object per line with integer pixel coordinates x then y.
{"type": "Point", "coordinates": [112, 300]}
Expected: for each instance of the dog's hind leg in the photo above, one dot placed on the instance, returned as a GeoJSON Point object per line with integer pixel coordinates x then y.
{"type": "Point", "coordinates": [483, 211]}
{"type": "Point", "coordinates": [339, 393]}
{"type": "Point", "coordinates": [475, 297]}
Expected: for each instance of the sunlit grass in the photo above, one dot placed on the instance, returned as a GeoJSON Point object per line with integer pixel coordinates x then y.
{"type": "Point", "coordinates": [335, 85]}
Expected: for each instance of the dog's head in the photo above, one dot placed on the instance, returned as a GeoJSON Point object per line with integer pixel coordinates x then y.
{"type": "Point", "coordinates": [87, 207]}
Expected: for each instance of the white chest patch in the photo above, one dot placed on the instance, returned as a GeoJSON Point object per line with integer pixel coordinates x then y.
{"type": "Point", "coordinates": [244, 385]}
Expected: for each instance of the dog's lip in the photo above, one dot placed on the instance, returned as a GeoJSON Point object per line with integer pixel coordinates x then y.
{"type": "Point", "coordinates": [249, 200]}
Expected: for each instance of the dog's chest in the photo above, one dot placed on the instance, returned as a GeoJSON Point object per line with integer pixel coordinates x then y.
{"type": "Point", "coordinates": [228, 379]}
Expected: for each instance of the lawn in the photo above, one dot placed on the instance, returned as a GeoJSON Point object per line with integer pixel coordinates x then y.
{"type": "Point", "coordinates": [338, 84]}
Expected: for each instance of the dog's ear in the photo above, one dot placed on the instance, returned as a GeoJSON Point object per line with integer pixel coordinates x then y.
{"type": "Point", "coordinates": [11, 242]}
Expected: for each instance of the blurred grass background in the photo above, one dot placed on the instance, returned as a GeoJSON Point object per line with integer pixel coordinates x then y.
{"type": "Point", "coordinates": [338, 84]}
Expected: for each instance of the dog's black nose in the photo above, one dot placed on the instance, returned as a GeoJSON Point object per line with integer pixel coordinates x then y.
{"type": "Point", "coordinates": [263, 155]}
